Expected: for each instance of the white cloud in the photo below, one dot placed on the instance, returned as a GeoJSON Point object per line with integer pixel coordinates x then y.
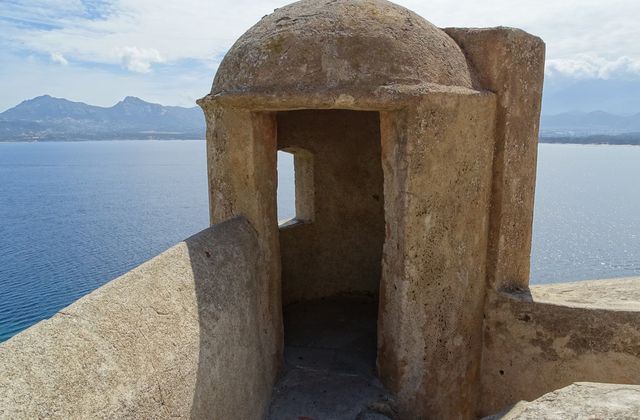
{"type": "Point", "coordinates": [205, 29]}
{"type": "Point", "coordinates": [21, 79]}
{"type": "Point", "coordinates": [174, 29]}
{"type": "Point", "coordinates": [58, 58]}
{"type": "Point", "coordinates": [139, 60]}
{"type": "Point", "coordinates": [585, 66]}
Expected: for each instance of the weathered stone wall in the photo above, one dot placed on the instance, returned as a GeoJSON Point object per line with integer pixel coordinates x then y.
{"type": "Point", "coordinates": [341, 250]}
{"type": "Point", "coordinates": [178, 336]}
{"type": "Point", "coordinates": [241, 163]}
{"type": "Point", "coordinates": [510, 63]}
{"type": "Point", "coordinates": [437, 169]}
{"type": "Point", "coordinates": [539, 341]}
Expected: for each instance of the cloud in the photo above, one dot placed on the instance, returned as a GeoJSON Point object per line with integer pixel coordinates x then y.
{"type": "Point", "coordinates": [139, 60]}
{"type": "Point", "coordinates": [90, 30]}
{"type": "Point", "coordinates": [585, 38]}
{"type": "Point", "coordinates": [168, 31]}
{"type": "Point", "coordinates": [180, 84]}
{"type": "Point", "coordinates": [585, 66]}
{"type": "Point", "coordinates": [58, 58]}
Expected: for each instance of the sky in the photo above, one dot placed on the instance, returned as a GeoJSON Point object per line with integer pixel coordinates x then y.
{"type": "Point", "coordinates": [99, 51]}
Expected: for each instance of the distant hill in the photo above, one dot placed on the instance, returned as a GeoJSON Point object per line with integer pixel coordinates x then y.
{"type": "Point", "coordinates": [49, 119]}
{"type": "Point", "coordinates": [46, 118]}
{"type": "Point", "coordinates": [582, 124]}
{"type": "Point", "coordinates": [617, 139]}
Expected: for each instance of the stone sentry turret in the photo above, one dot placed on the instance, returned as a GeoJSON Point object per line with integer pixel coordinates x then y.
{"type": "Point", "coordinates": [415, 161]}
{"type": "Point", "coordinates": [422, 145]}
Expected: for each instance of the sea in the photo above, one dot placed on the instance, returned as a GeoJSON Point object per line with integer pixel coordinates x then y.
{"type": "Point", "coordinates": [74, 215]}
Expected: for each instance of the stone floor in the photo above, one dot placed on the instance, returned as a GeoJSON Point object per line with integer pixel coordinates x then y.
{"type": "Point", "coordinates": [330, 355]}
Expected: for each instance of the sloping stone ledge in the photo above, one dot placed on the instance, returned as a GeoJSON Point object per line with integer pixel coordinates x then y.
{"type": "Point", "coordinates": [621, 294]}
{"type": "Point", "coordinates": [579, 401]}
{"type": "Point", "coordinates": [180, 336]}
{"type": "Point", "coordinates": [550, 336]}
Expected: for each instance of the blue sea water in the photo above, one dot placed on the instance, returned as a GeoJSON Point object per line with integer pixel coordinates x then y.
{"type": "Point", "coordinates": [587, 213]}
{"type": "Point", "coordinates": [76, 215]}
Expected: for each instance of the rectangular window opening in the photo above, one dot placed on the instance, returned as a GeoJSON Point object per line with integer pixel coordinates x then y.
{"type": "Point", "coordinates": [295, 187]}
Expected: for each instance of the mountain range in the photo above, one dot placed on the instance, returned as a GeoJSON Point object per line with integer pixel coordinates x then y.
{"type": "Point", "coordinates": [46, 118]}
{"type": "Point", "coordinates": [580, 124]}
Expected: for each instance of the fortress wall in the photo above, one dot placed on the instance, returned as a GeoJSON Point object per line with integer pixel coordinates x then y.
{"type": "Point", "coordinates": [178, 336]}
{"type": "Point", "coordinates": [558, 334]}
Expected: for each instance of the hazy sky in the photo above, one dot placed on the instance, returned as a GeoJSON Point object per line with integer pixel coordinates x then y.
{"type": "Point", "coordinates": [167, 51]}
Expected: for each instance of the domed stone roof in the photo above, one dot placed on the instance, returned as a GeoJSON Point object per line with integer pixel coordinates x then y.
{"type": "Point", "coordinates": [320, 45]}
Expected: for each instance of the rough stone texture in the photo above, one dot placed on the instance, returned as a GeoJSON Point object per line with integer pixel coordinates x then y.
{"type": "Point", "coordinates": [341, 45]}
{"type": "Point", "coordinates": [538, 341]}
{"type": "Point", "coordinates": [580, 401]}
{"type": "Point", "coordinates": [509, 62]}
{"type": "Point", "coordinates": [341, 251]}
{"type": "Point", "coordinates": [437, 169]}
{"type": "Point", "coordinates": [178, 336]}
{"type": "Point", "coordinates": [241, 153]}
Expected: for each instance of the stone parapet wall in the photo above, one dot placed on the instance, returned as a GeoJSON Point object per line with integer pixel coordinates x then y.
{"type": "Point", "coordinates": [553, 335]}
{"type": "Point", "coordinates": [178, 336]}
{"type": "Point", "coordinates": [582, 400]}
